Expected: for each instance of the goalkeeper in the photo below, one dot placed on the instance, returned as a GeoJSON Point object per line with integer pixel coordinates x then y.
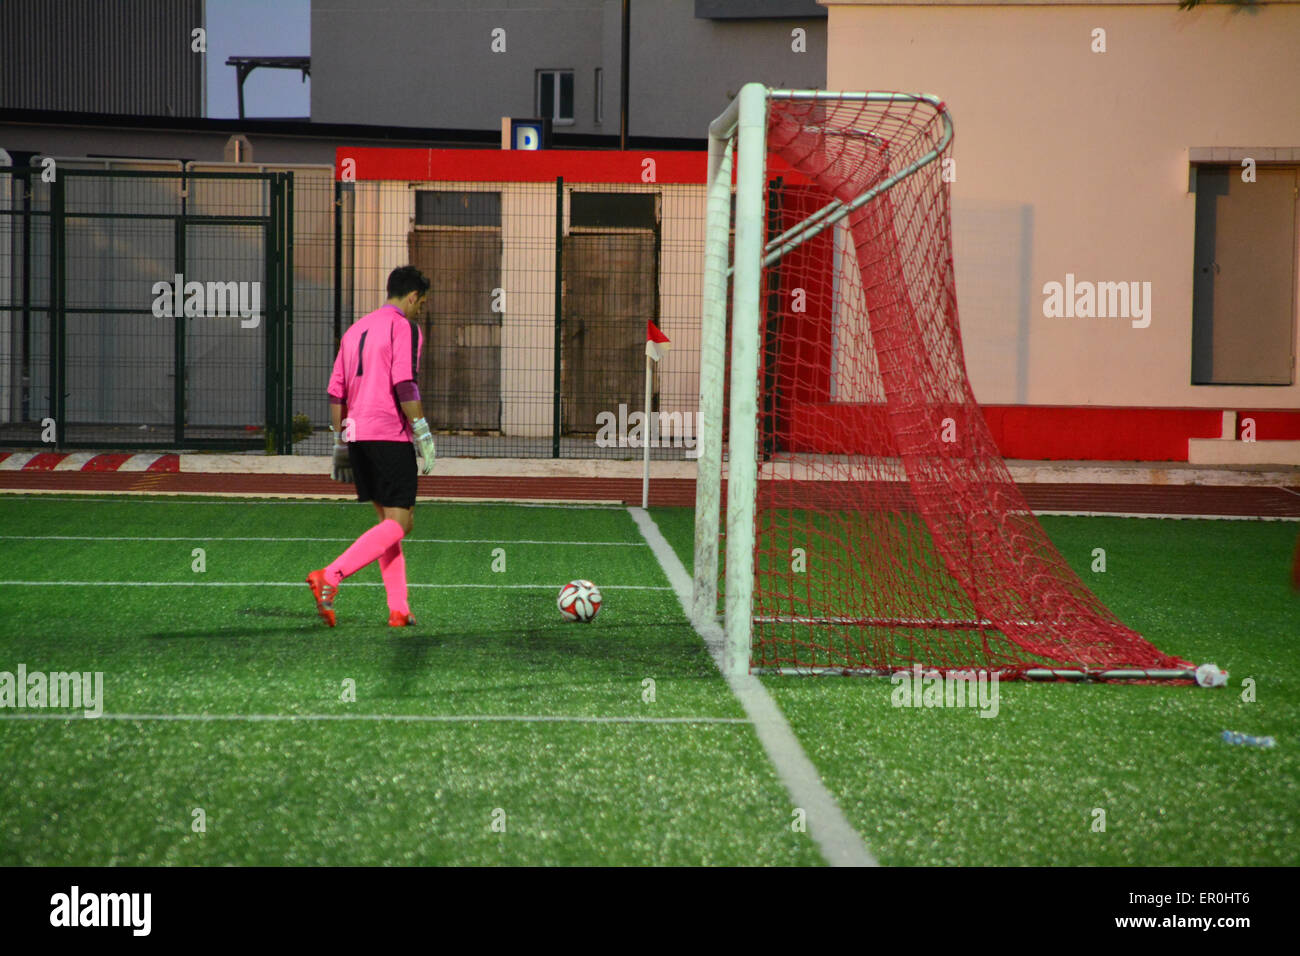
{"type": "Point", "coordinates": [375, 414]}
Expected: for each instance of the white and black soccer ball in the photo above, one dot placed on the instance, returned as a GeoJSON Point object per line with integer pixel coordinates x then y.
{"type": "Point", "coordinates": [579, 601]}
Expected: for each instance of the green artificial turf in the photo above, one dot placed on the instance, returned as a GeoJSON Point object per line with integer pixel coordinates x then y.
{"type": "Point", "coordinates": [923, 786]}
{"type": "Point", "coordinates": [79, 791]}
{"type": "Point", "coordinates": [946, 786]}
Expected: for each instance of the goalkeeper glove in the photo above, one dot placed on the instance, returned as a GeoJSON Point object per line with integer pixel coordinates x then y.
{"type": "Point", "coordinates": [424, 438]}
{"type": "Point", "coordinates": [341, 465]}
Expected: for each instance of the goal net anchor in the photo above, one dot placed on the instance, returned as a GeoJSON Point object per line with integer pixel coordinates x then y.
{"type": "Point", "coordinates": [884, 530]}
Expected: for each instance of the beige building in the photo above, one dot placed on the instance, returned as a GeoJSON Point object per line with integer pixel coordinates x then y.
{"type": "Point", "coordinates": [1083, 131]}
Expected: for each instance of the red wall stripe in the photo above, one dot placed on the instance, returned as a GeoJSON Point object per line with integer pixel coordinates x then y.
{"type": "Point", "coordinates": [520, 166]}
{"type": "Point", "coordinates": [1045, 433]}
{"type": "Point", "coordinates": [44, 461]}
{"type": "Point", "coordinates": [1272, 425]}
{"type": "Point", "coordinates": [1100, 434]}
{"type": "Point", "coordinates": [105, 462]}
{"type": "Point", "coordinates": [532, 166]}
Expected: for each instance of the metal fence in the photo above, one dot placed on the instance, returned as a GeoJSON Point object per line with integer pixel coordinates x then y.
{"type": "Point", "coordinates": [122, 322]}
{"type": "Point", "coordinates": [144, 308]}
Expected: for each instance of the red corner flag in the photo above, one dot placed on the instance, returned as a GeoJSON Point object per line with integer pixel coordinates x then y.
{"type": "Point", "coordinates": [656, 343]}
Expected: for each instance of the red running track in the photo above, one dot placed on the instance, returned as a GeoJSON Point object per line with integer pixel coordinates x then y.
{"type": "Point", "coordinates": [1222, 500]}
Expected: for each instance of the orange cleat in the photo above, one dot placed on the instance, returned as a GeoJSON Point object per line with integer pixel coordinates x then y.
{"type": "Point", "coordinates": [324, 593]}
{"type": "Point", "coordinates": [398, 619]}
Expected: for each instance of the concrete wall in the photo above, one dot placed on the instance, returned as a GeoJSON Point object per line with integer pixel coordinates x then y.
{"type": "Point", "coordinates": [433, 65]}
{"type": "Point", "coordinates": [1070, 161]}
{"type": "Point", "coordinates": [684, 71]}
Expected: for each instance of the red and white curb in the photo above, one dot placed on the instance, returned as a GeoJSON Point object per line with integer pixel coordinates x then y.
{"type": "Point", "coordinates": [87, 461]}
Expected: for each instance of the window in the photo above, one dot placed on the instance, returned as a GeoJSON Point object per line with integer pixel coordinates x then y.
{"type": "Point", "coordinates": [445, 208]}
{"type": "Point", "coordinates": [600, 96]}
{"type": "Point", "coordinates": [555, 96]}
{"type": "Point", "coordinates": [1244, 293]}
{"type": "Point", "coordinates": [613, 210]}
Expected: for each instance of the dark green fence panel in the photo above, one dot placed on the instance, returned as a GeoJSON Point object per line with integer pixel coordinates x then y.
{"type": "Point", "coordinates": [145, 309]}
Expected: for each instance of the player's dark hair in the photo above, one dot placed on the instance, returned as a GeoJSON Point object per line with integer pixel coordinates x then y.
{"type": "Point", "coordinates": [404, 280]}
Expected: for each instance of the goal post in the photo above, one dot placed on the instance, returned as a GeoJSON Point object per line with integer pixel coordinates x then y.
{"type": "Point", "coordinates": [871, 525]}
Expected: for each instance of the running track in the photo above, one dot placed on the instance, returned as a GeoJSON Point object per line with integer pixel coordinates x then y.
{"type": "Point", "coordinates": [1219, 500]}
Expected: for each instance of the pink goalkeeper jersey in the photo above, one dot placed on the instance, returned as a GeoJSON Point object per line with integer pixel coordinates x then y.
{"type": "Point", "coordinates": [376, 353]}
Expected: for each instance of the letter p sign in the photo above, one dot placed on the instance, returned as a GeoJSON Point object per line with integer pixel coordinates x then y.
{"type": "Point", "coordinates": [527, 134]}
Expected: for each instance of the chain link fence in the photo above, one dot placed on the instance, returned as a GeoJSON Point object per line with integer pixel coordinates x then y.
{"type": "Point", "coordinates": [155, 305]}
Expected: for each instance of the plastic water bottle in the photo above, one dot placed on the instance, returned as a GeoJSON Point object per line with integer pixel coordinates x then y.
{"type": "Point", "coordinates": [1233, 737]}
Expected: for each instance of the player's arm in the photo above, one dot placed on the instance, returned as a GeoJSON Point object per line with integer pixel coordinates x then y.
{"type": "Point", "coordinates": [406, 369]}
{"type": "Point", "coordinates": [409, 396]}
{"type": "Point", "coordinates": [341, 463]}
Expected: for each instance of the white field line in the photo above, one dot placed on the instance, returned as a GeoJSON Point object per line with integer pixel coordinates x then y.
{"type": "Point", "coordinates": [497, 541]}
{"type": "Point", "coordinates": [268, 498]}
{"type": "Point", "coordinates": [291, 498]}
{"type": "Point", "coordinates": [1167, 517]}
{"type": "Point", "coordinates": [838, 841]}
{"type": "Point", "coordinates": [298, 584]}
{"type": "Point", "coordinates": [382, 718]}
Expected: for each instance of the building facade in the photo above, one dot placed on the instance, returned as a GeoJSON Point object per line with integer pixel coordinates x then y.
{"type": "Point", "coordinates": [463, 64]}
{"type": "Point", "coordinates": [1110, 142]}
{"type": "Point", "coordinates": [134, 57]}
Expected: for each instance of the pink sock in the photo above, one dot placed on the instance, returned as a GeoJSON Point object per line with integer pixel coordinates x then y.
{"type": "Point", "coordinates": [364, 550]}
{"type": "Point", "coordinates": [392, 565]}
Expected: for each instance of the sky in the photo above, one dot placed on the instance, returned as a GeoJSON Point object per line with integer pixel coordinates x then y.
{"type": "Point", "coordinates": [258, 28]}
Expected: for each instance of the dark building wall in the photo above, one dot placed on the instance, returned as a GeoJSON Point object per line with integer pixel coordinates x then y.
{"type": "Point", "coordinates": [123, 56]}
{"type": "Point", "coordinates": [431, 65]}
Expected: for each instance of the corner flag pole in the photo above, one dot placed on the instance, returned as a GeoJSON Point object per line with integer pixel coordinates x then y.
{"type": "Point", "coordinates": [656, 347]}
{"type": "Point", "coordinates": [645, 437]}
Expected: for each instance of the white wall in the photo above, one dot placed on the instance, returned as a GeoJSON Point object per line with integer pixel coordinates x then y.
{"type": "Point", "coordinates": [1070, 161]}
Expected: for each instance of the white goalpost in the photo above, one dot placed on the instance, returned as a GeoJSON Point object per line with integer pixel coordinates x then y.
{"type": "Point", "coordinates": [743, 127]}
{"type": "Point", "coordinates": [876, 460]}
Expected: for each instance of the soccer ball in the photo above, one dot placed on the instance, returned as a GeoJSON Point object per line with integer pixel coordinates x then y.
{"type": "Point", "coordinates": [579, 601]}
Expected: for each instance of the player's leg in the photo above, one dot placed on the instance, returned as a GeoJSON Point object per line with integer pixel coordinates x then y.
{"type": "Point", "coordinates": [399, 507]}
{"type": "Point", "coordinates": [324, 582]}
{"type": "Point", "coordinates": [369, 474]}
{"type": "Point", "coordinates": [392, 566]}
{"type": "Point", "coordinates": [367, 548]}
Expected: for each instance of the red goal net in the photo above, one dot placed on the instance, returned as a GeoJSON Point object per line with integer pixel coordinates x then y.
{"type": "Point", "coordinates": [888, 530]}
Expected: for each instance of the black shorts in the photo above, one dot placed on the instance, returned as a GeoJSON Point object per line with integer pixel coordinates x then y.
{"type": "Point", "coordinates": [384, 472]}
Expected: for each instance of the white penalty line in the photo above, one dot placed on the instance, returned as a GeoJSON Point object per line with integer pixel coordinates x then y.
{"type": "Point", "coordinates": [408, 540]}
{"type": "Point", "coordinates": [838, 841]}
{"type": "Point", "coordinates": [298, 584]}
{"type": "Point", "coordinates": [382, 718]}
{"type": "Point", "coordinates": [1167, 517]}
{"type": "Point", "coordinates": [299, 498]}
